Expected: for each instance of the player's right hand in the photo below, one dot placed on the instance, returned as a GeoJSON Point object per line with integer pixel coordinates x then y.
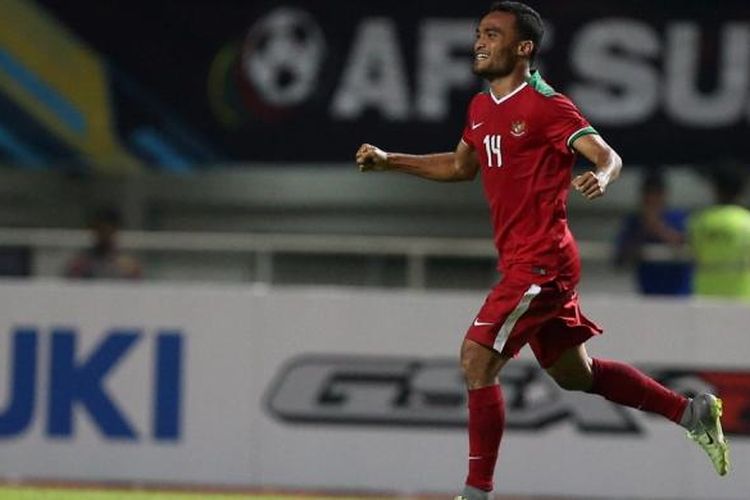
{"type": "Point", "coordinates": [371, 158]}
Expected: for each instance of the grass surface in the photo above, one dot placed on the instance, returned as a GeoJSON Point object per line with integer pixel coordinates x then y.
{"type": "Point", "coordinates": [24, 493]}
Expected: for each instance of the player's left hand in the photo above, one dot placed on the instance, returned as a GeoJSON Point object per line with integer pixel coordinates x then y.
{"type": "Point", "coordinates": [592, 185]}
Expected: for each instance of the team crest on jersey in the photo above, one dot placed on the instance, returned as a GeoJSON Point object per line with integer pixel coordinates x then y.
{"type": "Point", "coordinates": [518, 128]}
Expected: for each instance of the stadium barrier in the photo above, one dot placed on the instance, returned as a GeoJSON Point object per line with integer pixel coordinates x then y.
{"type": "Point", "coordinates": [49, 249]}
{"type": "Point", "coordinates": [340, 389]}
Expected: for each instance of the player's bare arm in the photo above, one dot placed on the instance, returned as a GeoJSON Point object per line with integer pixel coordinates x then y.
{"type": "Point", "coordinates": [460, 165]}
{"type": "Point", "coordinates": [608, 164]}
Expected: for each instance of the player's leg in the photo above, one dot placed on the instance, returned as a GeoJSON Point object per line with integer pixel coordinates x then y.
{"type": "Point", "coordinates": [626, 385]}
{"type": "Point", "coordinates": [512, 313]}
{"type": "Point", "coordinates": [572, 370]}
{"type": "Point", "coordinates": [481, 366]}
{"type": "Point", "coordinates": [559, 347]}
{"type": "Point", "coordinates": [617, 382]}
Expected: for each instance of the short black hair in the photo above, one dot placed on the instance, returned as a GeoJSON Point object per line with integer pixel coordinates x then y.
{"type": "Point", "coordinates": [528, 22]}
{"type": "Point", "coordinates": [728, 181]}
{"type": "Point", "coordinates": [653, 181]}
{"type": "Point", "coordinates": [106, 215]}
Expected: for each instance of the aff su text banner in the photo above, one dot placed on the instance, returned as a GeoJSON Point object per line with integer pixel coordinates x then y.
{"type": "Point", "coordinates": [664, 82]}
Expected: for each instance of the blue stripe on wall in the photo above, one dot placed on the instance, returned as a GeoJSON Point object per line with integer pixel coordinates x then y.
{"type": "Point", "coordinates": [129, 93]}
{"type": "Point", "coordinates": [21, 153]}
{"type": "Point", "coordinates": [53, 100]}
{"type": "Point", "coordinates": [36, 137]}
{"type": "Point", "coordinates": [164, 155]}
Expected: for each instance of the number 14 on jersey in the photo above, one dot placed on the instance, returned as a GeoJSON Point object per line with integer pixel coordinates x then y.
{"type": "Point", "coordinates": [492, 147]}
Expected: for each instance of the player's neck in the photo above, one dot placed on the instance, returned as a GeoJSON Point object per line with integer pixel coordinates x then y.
{"type": "Point", "coordinates": [502, 86]}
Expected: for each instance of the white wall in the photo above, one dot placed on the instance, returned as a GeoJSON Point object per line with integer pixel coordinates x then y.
{"type": "Point", "coordinates": [237, 346]}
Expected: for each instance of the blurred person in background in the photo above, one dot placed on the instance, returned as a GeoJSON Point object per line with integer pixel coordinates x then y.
{"type": "Point", "coordinates": [655, 223]}
{"type": "Point", "coordinates": [524, 139]}
{"type": "Point", "coordinates": [103, 259]}
{"type": "Point", "coordinates": [720, 239]}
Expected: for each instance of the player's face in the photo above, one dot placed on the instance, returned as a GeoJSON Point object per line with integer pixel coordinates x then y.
{"type": "Point", "coordinates": [496, 45]}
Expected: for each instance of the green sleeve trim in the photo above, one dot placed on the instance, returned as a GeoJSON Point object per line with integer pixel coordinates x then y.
{"type": "Point", "coordinates": [580, 133]}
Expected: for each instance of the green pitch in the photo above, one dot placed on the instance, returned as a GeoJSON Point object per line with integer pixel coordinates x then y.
{"type": "Point", "coordinates": [8, 493]}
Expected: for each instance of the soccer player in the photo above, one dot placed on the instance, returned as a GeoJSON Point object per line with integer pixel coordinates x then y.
{"type": "Point", "coordinates": [524, 137]}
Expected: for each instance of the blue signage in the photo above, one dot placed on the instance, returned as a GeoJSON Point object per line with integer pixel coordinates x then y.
{"type": "Point", "coordinates": [80, 382]}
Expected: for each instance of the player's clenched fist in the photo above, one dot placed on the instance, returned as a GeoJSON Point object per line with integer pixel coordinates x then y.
{"type": "Point", "coordinates": [590, 184]}
{"type": "Point", "coordinates": [370, 157]}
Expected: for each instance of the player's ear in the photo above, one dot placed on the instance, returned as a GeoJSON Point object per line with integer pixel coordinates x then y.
{"type": "Point", "coordinates": [525, 48]}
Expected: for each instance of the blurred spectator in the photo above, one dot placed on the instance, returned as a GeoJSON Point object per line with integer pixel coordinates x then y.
{"type": "Point", "coordinates": [654, 223]}
{"type": "Point", "coordinates": [104, 260]}
{"type": "Point", "coordinates": [720, 239]}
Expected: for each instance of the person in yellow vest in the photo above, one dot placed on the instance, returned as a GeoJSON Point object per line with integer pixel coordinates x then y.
{"type": "Point", "coordinates": [720, 240]}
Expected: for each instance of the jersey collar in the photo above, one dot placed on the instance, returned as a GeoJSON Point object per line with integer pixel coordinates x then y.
{"type": "Point", "coordinates": [504, 98]}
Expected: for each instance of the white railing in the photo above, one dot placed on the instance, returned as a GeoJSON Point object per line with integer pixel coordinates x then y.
{"type": "Point", "coordinates": [262, 247]}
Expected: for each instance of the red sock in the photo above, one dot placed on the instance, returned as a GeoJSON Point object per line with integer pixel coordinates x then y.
{"type": "Point", "coordinates": [623, 384]}
{"type": "Point", "coordinates": [486, 423]}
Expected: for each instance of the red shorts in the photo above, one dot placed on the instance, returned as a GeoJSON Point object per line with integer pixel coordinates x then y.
{"type": "Point", "coordinates": [546, 316]}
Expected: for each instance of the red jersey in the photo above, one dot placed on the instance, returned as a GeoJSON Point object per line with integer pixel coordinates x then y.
{"type": "Point", "coordinates": [523, 143]}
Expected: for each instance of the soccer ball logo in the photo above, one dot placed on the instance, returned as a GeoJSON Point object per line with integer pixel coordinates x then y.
{"type": "Point", "coordinates": [282, 56]}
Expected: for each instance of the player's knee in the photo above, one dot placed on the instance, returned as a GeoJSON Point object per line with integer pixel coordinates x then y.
{"type": "Point", "coordinates": [472, 364]}
{"type": "Point", "coordinates": [480, 365]}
